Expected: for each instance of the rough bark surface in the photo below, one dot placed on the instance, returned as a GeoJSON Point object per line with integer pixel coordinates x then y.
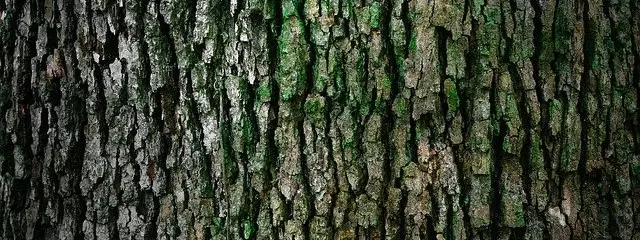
{"type": "Point", "coordinates": [326, 119]}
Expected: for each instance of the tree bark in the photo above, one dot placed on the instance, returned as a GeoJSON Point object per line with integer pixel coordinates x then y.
{"type": "Point", "coordinates": [331, 119]}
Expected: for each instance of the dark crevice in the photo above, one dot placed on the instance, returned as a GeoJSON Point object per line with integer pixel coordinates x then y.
{"type": "Point", "coordinates": [449, 230]}
{"type": "Point", "coordinates": [607, 145]}
{"type": "Point", "coordinates": [408, 29]}
{"type": "Point", "coordinates": [7, 50]}
{"type": "Point", "coordinates": [194, 124]}
{"type": "Point", "coordinates": [583, 108]}
{"type": "Point", "coordinates": [250, 138]}
{"type": "Point", "coordinates": [18, 187]}
{"type": "Point", "coordinates": [523, 113]}
{"type": "Point", "coordinates": [332, 166]}
{"type": "Point", "coordinates": [309, 199]}
{"type": "Point", "coordinates": [270, 171]}
{"type": "Point", "coordinates": [433, 219]}
{"type": "Point", "coordinates": [392, 68]}
{"type": "Point", "coordinates": [171, 93]}
{"type": "Point", "coordinates": [635, 7]}
{"type": "Point", "coordinates": [401, 215]}
{"type": "Point", "coordinates": [388, 120]}
{"type": "Point", "coordinates": [498, 134]}
{"type": "Point", "coordinates": [443, 35]}
{"type": "Point", "coordinates": [309, 82]}
{"type": "Point", "coordinates": [230, 170]}
{"type": "Point", "coordinates": [192, 6]}
{"type": "Point", "coordinates": [546, 140]}
{"type": "Point", "coordinates": [388, 123]}
{"type": "Point", "coordinates": [101, 108]}
{"type": "Point", "coordinates": [149, 207]}
{"type": "Point", "coordinates": [430, 231]}
{"type": "Point", "coordinates": [271, 159]}
{"type": "Point", "coordinates": [559, 65]}
{"type": "Point", "coordinates": [467, 94]}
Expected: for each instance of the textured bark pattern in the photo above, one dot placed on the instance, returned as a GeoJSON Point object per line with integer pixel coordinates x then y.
{"type": "Point", "coordinates": [328, 119]}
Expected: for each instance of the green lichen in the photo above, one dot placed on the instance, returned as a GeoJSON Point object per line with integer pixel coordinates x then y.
{"type": "Point", "coordinates": [314, 109]}
{"type": "Point", "coordinates": [374, 15]}
{"type": "Point", "coordinates": [536, 153]}
{"type": "Point", "coordinates": [482, 163]}
{"type": "Point", "coordinates": [635, 169]}
{"type": "Point", "coordinates": [413, 44]}
{"type": "Point", "coordinates": [453, 100]}
{"type": "Point", "coordinates": [293, 55]}
{"type": "Point", "coordinates": [514, 214]}
{"type": "Point", "coordinates": [386, 83]}
{"type": "Point", "coordinates": [247, 135]}
{"type": "Point", "coordinates": [555, 116]}
{"type": "Point", "coordinates": [511, 110]}
{"type": "Point", "coordinates": [269, 9]}
{"type": "Point", "coordinates": [364, 107]}
{"type": "Point", "coordinates": [287, 94]}
{"type": "Point", "coordinates": [248, 229]}
{"type": "Point", "coordinates": [402, 69]}
{"type": "Point", "coordinates": [554, 106]}
{"type": "Point", "coordinates": [206, 188]}
{"type": "Point", "coordinates": [289, 8]}
{"type": "Point", "coordinates": [400, 106]}
{"type": "Point", "coordinates": [380, 106]}
{"type": "Point", "coordinates": [217, 225]}
{"type": "Point", "coordinates": [264, 91]}
{"type": "Point", "coordinates": [320, 82]}
{"type": "Point", "coordinates": [507, 145]}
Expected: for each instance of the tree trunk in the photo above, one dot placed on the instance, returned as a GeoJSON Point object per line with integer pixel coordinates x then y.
{"type": "Point", "coordinates": [331, 119]}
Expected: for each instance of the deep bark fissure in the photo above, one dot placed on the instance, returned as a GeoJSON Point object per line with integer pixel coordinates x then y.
{"type": "Point", "coordinates": [498, 132]}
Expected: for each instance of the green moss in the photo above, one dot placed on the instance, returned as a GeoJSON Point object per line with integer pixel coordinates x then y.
{"type": "Point", "coordinates": [380, 106]}
{"type": "Point", "coordinates": [453, 100]}
{"type": "Point", "coordinates": [597, 63]}
{"type": "Point", "coordinates": [314, 109]}
{"type": "Point", "coordinates": [293, 52]}
{"type": "Point", "coordinates": [374, 15]}
{"type": "Point", "coordinates": [477, 7]}
{"type": "Point", "coordinates": [635, 169]}
{"type": "Point", "coordinates": [554, 106]}
{"type": "Point", "coordinates": [492, 15]}
{"type": "Point", "coordinates": [248, 229]}
{"type": "Point", "coordinates": [555, 116]}
{"type": "Point", "coordinates": [247, 135]}
{"type": "Point", "coordinates": [287, 94]}
{"type": "Point", "coordinates": [206, 188]}
{"type": "Point", "coordinates": [269, 9]}
{"type": "Point", "coordinates": [264, 91]}
{"type": "Point", "coordinates": [536, 153]}
{"type": "Point", "coordinates": [400, 106]}
{"type": "Point", "coordinates": [512, 108]}
{"type": "Point", "coordinates": [386, 83]}
{"type": "Point", "coordinates": [289, 8]}
{"type": "Point", "coordinates": [518, 216]}
{"type": "Point", "coordinates": [413, 45]}
{"type": "Point", "coordinates": [320, 82]}
{"type": "Point", "coordinates": [217, 225]}
{"type": "Point", "coordinates": [364, 107]}
{"type": "Point", "coordinates": [507, 145]}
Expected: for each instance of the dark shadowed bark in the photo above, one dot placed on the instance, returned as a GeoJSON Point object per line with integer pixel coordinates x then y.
{"type": "Point", "coordinates": [327, 119]}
